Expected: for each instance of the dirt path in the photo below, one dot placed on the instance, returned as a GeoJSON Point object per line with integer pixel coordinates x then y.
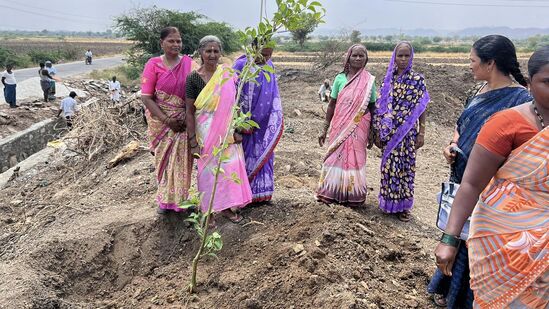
{"type": "Point", "coordinates": [74, 234]}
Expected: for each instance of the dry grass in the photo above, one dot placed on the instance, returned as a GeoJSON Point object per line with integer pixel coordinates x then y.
{"type": "Point", "coordinates": [98, 129]}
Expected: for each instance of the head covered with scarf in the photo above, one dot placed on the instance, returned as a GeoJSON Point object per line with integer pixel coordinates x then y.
{"type": "Point", "coordinates": [416, 99]}
{"type": "Point", "coordinates": [347, 62]}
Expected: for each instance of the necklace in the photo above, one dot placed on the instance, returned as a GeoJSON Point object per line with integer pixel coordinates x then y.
{"type": "Point", "coordinates": [540, 118]}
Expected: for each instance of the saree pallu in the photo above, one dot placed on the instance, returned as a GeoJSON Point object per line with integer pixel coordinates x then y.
{"type": "Point", "coordinates": [343, 175]}
{"type": "Point", "coordinates": [10, 94]}
{"type": "Point", "coordinates": [509, 237]}
{"type": "Point", "coordinates": [262, 100]}
{"type": "Point", "coordinates": [173, 160]}
{"type": "Point", "coordinates": [214, 110]}
{"type": "Point", "coordinates": [477, 111]}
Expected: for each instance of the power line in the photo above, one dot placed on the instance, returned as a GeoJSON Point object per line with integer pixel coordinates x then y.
{"type": "Point", "coordinates": [470, 4]}
{"type": "Point", "coordinates": [47, 15]}
{"type": "Point", "coordinates": [49, 11]}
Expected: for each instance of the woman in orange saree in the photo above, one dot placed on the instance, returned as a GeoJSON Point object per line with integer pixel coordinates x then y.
{"type": "Point", "coordinates": [509, 235]}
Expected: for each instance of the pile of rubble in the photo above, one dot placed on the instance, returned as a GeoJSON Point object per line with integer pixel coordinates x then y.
{"type": "Point", "coordinates": [6, 119]}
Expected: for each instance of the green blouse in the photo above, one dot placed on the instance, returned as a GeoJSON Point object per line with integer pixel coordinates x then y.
{"type": "Point", "coordinates": [340, 81]}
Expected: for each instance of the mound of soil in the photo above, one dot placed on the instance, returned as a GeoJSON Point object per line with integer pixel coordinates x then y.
{"type": "Point", "coordinates": [13, 120]}
{"type": "Point", "coordinates": [74, 234]}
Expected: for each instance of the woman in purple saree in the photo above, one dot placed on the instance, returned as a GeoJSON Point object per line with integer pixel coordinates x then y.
{"type": "Point", "coordinates": [262, 100]}
{"type": "Point", "coordinates": [400, 125]}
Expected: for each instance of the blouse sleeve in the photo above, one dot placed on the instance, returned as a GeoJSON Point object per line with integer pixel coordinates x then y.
{"type": "Point", "coordinates": [335, 87]}
{"type": "Point", "coordinates": [191, 87]}
{"type": "Point", "coordinates": [497, 134]}
{"type": "Point", "coordinates": [148, 79]}
{"type": "Point", "coordinates": [373, 96]}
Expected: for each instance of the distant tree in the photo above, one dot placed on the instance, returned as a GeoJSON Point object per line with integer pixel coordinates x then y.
{"type": "Point", "coordinates": [300, 34]}
{"type": "Point", "coordinates": [437, 39]}
{"type": "Point", "coordinates": [355, 37]}
{"type": "Point", "coordinates": [424, 40]}
{"type": "Point", "coordinates": [143, 27]}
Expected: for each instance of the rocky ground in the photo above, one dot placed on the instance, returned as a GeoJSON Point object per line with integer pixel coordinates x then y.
{"type": "Point", "coordinates": [75, 234]}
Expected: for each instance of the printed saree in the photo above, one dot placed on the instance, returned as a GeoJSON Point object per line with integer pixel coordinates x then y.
{"type": "Point", "coordinates": [214, 108]}
{"type": "Point", "coordinates": [173, 160]}
{"type": "Point", "coordinates": [262, 100]}
{"type": "Point", "coordinates": [343, 175]}
{"type": "Point", "coordinates": [477, 111]}
{"type": "Point", "coordinates": [403, 99]}
{"type": "Point", "coordinates": [509, 237]}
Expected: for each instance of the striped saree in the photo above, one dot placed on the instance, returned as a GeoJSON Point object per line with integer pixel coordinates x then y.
{"type": "Point", "coordinates": [509, 237]}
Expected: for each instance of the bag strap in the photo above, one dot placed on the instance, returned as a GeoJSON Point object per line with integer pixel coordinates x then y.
{"type": "Point", "coordinates": [458, 150]}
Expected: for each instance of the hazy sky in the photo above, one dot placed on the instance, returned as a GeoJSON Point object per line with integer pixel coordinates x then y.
{"type": "Point", "coordinates": [96, 15]}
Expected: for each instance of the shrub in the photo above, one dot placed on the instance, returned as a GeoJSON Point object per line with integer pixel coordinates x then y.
{"type": "Point", "coordinates": [7, 56]}
{"type": "Point", "coordinates": [38, 56]}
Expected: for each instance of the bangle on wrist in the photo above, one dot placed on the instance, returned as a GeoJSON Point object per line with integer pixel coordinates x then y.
{"type": "Point", "coordinates": [191, 137]}
{"type": "Point", "coordinates": [450, 240]}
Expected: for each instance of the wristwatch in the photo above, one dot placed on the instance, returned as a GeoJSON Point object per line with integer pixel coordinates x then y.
{"type": "Point", "coordinates": [450, 240]}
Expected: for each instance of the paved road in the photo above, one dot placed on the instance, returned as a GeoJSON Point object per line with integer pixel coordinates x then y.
{"type": "Point", "coordinates": [72, 68]}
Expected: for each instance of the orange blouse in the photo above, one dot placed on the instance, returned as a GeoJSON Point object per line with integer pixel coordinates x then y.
{"type": "Point", "coordinates": [505, 131]}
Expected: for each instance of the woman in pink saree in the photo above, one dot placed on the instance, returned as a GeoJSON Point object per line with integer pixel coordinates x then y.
{"type": "Point", "coordinates": [211, 93]}
{"type": "Point", "coordinates": [343, 176]}
{"type": "Point", "coordinates": [163, 93]}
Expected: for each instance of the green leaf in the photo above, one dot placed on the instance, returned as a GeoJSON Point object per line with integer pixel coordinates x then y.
{"type": "Point", "coordinates": [235, 178]}
{"type": "Point", "coordinates": [253, 124]}
{"type": "Point", "coordinates": [268, 68]}
{"type": "Point", "coordinates": [216, 170]}
{"type": "Point", "coordinates": [216, 151]}
{"type": "Point", "coordinates": [187, 204]}
{"type": "Point", "coordinates": [224, 158]}
{"type": "Point", "coordinates": [224, 80]}
{"type": "Point", "coordinates": [262, 28]}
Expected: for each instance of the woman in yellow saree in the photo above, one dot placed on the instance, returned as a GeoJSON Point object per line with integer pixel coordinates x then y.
{"type": "Point", "coordinates": [211, 97]}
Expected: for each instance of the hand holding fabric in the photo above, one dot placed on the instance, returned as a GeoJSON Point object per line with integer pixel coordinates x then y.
{"type": "Point", "coordinates": [176, 125]}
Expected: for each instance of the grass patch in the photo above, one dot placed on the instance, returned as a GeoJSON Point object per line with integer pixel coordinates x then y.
{"type": "Point", "coordinates": [125, 74]}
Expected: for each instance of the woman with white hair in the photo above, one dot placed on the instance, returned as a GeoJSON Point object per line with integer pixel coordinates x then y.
{"type": "Point", "coordinates": [211, 93]}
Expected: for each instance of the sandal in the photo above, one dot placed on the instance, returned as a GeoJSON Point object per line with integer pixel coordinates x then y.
{"type": "Point", "coordinates": [439, 300]}
{"type": "Point", "coordinates": [405, 216]}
